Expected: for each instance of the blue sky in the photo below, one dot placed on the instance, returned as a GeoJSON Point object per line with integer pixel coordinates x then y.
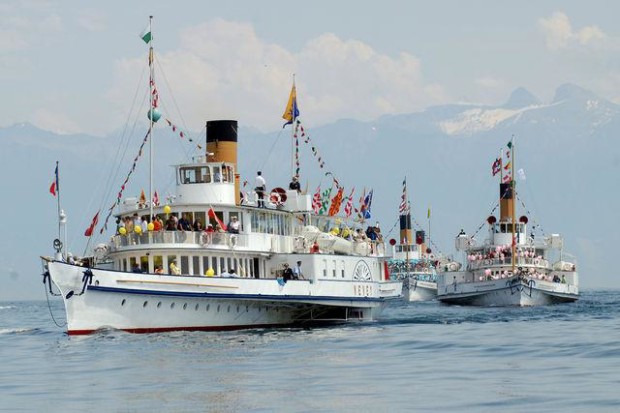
{"type": "Point", "coordinates": [73, 66]}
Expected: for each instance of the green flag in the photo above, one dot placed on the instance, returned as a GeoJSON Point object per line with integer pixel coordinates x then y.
{"type": "Point", "coordinates": [146, 35]}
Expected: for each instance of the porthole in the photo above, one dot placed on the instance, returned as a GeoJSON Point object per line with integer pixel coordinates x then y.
{"type": "Point", "coordinates": [228, 309]}
{"type": "Point", "coordinates": [218, 308]}
{"type": "Point", "coordinates": [185, 306]}
{"type": "Point", "coordinates": [96, 282]}
{"type": "Point", "coordinates": [259, 308]}
{"type": "Point", "coordinates": [196, 308]}
{"type": "Point", "coordinates": [246, 309]}
{"type": "Point", "coordinates": [208, 306]}
{"type": "Point", "coordinates": [145, 304]}
{"type": "Point", "coordinates": [123, 302]}
{"type": "Point", "coordinates": [237, 308]}
{"type": "Point", "coordinates": [172, 306]}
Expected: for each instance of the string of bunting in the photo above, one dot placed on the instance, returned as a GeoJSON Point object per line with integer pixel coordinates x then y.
{"type": "Point", "coordinates": [300, 131]}
{"type": "Point", "coordinates": [123, 186]}
{"type": "Point", "coordinates": [181, 133]}
{"type": "Point", "coordinates": [536, 224]}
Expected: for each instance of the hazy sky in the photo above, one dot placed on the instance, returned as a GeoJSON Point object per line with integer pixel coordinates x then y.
{"type": "Point", "coordinates": [75, 66]}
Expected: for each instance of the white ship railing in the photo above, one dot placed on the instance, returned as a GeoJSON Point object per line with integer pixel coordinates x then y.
{"type": "Point", "coordinates": [519, 262]}
{"type": "Point", "coordinates": [223, 240]}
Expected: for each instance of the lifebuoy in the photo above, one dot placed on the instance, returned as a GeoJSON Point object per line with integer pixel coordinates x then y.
{"type": "Point", "coordinates": [275, 198]}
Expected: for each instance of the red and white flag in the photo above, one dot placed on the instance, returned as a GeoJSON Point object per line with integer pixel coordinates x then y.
{"type": "Point", "coordinates": [316, 200]}
{"type": "Point", "coordinates": [93, 224]}
{"type": "Point", "coordinates": [348, 209]}
{"type": "Point", "coordinates": [54, 186]}
{"type": "Point", "coordinates": [219, 222]}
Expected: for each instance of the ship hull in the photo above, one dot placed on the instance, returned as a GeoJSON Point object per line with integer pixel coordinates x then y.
{"type": "Point", "coordinates": [416, 290]}
{"type": "Point", "coordinates": [507, 293]}
{"type": "Point", "coordinates": [98, 299]}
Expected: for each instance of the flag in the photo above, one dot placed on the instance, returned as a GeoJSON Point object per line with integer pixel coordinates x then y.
{"type": "Point", "coordinates": [497, 166]}
{"type": "Point", "coordinates": [54, 186]}
{"type": "Point", "coordinates": [325, 200]}
{"type": "Point", "coordinates": [336, 202]}
{"type": "Point", "coordinates": [403, 208]}
{"type": "Point", "coordinates": [146, 34]}
{"type": "Point", "coordinates": [365, 208]}
{"type": "Point", "coordinates": [155, 199]}
{"type": "Point", "coordinates": [292, 111]}
{"type": "Point", "coordinates": [507, 166]}
{"type": "Point", "coordinates": [509, 145]}
{"type": "Point", "coordinates": [348, 208]}
{"type": "Point", "coordinates": [212, 215]}
{"type": "Point", "coordinates": [93, 224]}
{"type": "Point", "coordinates": [316, 200]}
{"type": "Point", "coordinates": [142, 200]}
{"type": "Point", "coordinates": [521, 174]}
{"type": "Point", "coordinates": [428, 215]}
{"type": "Point", "coordinates": [507, 178]}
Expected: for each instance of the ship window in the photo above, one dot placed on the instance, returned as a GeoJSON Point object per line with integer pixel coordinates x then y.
{"type": "Point", "coordinates": [196, 264]}
{"type": "Point", "coordinates": [334, 269]}
{"type": "Point", "coordinates": [217, 174]}
{"type": "Point", "coordinates": [145, 304]}
{"type": "Point", "coordinates": [185, 264]}
{"type": "Point", "coordinates": [218, 308]}
{"type": "Point", "coordinates": [187, 175]}
{"type": "Point", "coordinates": [208, 307]}
{"type": "Point", "coordinates": [159, 304]}
{"type": "Point", "coordinates": [171, 306]}
{"type": "Point", "coordinates": [185, 306]}
{"type": "Point", "coordinates": [123, 302]}
{"type": "Point", "coordinates": [206, 175]}
{"type": "Point", "coordinates": [197, 306]}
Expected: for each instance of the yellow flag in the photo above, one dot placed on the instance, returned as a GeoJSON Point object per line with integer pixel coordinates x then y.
{"type": "Point", "coordinates": [291, 112]}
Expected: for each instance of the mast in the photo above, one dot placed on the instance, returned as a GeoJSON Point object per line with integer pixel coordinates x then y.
{"type": "Point", "coordinates": [293, 126]}
{"type": "Point", "coordinates": [62, 217]}
{"type": "Point", "coordinates": [152, 110]}
{"type": "Point", "coordinates": [514, 195]}
{"type": "Point", "coordinates": [405, 224]}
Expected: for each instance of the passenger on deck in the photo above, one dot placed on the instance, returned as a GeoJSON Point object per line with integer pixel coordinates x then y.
{"type": "Point", "coordinates": [232, 273]}
{"type": "Point", "coordinates": [157, 224]}
{"type": "Point", "coordinates": [234, 225]}
{"type": "Point", "coordinates": [136, 268]}
{"type": "Point", "coordinates": [198, 225]}
{"type": "Point", "coordinates": [314, 249]}
{"type": "Point", "coordinates": [294, 185]}
{"type": "Point", "coordinates": [563, 281]}
{"type": "Point", "coordinates": [260, 186]}
{"type": "Point", "coordinates": [297, 274]}
{"type": "Point", "coordinates": [159, 270]}
{"type": "Point", "coordinates": [184, 224]}
{"type": "Point", "coordinates": [174, 270]}
{"type": "Point", "coordinates": [171, 224]}
{"type": "Point", "coordinates": [287, 274]}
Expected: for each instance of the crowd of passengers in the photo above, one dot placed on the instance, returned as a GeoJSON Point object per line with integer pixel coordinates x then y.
{"type": "Point", "coordinates": [172, 223]}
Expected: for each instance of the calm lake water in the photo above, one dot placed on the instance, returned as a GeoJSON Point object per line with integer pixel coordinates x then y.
{"type": "Point", "coordinates": [422, 357]}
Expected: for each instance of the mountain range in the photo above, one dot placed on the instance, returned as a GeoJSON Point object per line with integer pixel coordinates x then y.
{"type": "Point", "coordinates": [567, 148]}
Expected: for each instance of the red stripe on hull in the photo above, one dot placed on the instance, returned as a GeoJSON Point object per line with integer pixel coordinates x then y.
{"type": "Point", "coordinates": [168, 329]}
